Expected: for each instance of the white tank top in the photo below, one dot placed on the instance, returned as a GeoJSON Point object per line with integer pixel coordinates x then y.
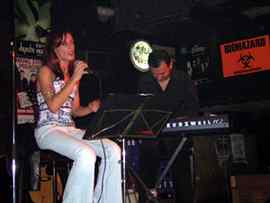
{"type": "Point", "coordinates": [63, 116]}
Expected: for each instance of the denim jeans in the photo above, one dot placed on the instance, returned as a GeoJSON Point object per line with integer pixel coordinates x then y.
{"type": "Point", "coordinates": [79, 188]}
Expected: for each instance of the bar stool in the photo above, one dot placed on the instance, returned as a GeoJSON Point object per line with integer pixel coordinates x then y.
{"type": "Point", "coordinates": [55, 162]}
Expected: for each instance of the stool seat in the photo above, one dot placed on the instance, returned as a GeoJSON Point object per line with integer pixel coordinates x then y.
{"type": "Point", "coordinates": [48, 155]}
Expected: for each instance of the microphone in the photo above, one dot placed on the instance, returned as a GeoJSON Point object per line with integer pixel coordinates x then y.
{"type": "Point", "coordinates": [93, 73]}
{"type": "Point", "coordinates": [87, 69]}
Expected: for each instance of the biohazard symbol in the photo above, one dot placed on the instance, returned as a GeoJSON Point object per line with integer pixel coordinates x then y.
{"type": "Point", "coordinates": [246, 59]}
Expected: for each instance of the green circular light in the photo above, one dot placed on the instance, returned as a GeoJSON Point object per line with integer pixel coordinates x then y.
{"type": "Point", "coordinates": [139, 53]}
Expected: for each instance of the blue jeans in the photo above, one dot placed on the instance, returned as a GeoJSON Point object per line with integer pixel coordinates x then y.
{"type": "Point", "coordinates": [68, 142]}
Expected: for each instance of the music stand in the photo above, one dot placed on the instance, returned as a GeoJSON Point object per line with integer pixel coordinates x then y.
{"type": "Point", "coordinates": [124, 117]}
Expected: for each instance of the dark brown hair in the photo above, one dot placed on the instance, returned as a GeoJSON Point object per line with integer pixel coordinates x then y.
{"type": "Point", "coordinates": [54, 40]}
{"type": "Point", "coordinates": [157, 56]}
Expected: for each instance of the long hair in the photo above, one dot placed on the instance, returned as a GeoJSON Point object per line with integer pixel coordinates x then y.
{"type": "Point", "coordinates": [54, 40]}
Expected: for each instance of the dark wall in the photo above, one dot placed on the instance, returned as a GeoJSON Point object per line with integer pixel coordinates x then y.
{"type": "Point", "coordinates": [6, 36]}
{"type": "Point", "coordinates": [81, 17]}
{"type": "Point", "coordinates": [136, 14]}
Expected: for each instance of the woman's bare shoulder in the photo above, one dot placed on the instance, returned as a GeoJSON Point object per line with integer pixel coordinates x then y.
{"type": "Point", "coordinates": [45, 71]}
{"type": "Point", "coordinates": [45, 74]}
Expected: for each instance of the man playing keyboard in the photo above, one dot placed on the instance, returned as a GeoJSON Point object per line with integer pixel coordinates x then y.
{"type": "Point", "coordinates": [175, 85]}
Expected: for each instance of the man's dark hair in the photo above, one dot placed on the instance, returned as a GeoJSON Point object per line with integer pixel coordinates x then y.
{"type": "Point", "coordinates": [157, 56]}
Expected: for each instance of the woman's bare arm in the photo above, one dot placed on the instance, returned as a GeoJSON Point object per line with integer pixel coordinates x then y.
{"type": "Point", "coordinates": [45, 84]}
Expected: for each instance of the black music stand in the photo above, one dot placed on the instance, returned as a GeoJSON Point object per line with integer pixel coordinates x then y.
{"type": "Point", "coordinates": [121, 116]}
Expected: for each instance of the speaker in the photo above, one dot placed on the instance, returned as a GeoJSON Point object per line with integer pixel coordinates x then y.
{"type": "Point", "coordinates": [209, 184]}
{"type": "Point", "coordinates": [250, 188]}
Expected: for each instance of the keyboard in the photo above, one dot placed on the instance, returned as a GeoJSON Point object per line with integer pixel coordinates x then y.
{"type": "Point", "coordinates": [209, 123]}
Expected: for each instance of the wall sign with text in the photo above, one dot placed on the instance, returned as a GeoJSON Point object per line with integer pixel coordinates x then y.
{"type": "Point", "coordinates": [28, 60]}
{"type": "Point", "coordinates": [196, 58]}
{"type": "Point", "coordinates": [245, 56]}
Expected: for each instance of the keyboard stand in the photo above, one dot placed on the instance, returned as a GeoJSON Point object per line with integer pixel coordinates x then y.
{"type": "Point", "coordinates": [171, 161]}
{"type": "Point", "coordinates": [149, 195]}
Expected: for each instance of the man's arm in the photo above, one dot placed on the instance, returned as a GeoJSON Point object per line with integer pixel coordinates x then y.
{"type": "Point", "coordinates": [192, 99]}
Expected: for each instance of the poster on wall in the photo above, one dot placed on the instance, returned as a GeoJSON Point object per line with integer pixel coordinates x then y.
{"type": "Point", "coordinates": [196, 62]}
{"type": "Point", "coordinates": [32, 19]}
{"type": "Point", "coordinates": [245, 56]}
{"type": "Point", "coordinates": [28, 60]}
{"type": "Point", "coordinates": [32, 24]}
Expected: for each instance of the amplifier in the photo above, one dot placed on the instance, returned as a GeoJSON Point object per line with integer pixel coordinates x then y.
{"type": "Point", "coordinates": [250, 188]}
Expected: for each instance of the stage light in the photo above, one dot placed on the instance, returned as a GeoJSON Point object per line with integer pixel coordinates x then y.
{"type": "Point", "coordinates": [139, 53]}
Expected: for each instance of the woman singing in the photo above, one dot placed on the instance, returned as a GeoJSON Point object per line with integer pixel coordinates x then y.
{"type": "Point", "coordinates": [59, 101]}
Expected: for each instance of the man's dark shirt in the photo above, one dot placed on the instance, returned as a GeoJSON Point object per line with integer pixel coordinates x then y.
{"type": "Point", "coordinates": [89, 91]}
{"type": "Point", "coordinates": [180, 90]}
